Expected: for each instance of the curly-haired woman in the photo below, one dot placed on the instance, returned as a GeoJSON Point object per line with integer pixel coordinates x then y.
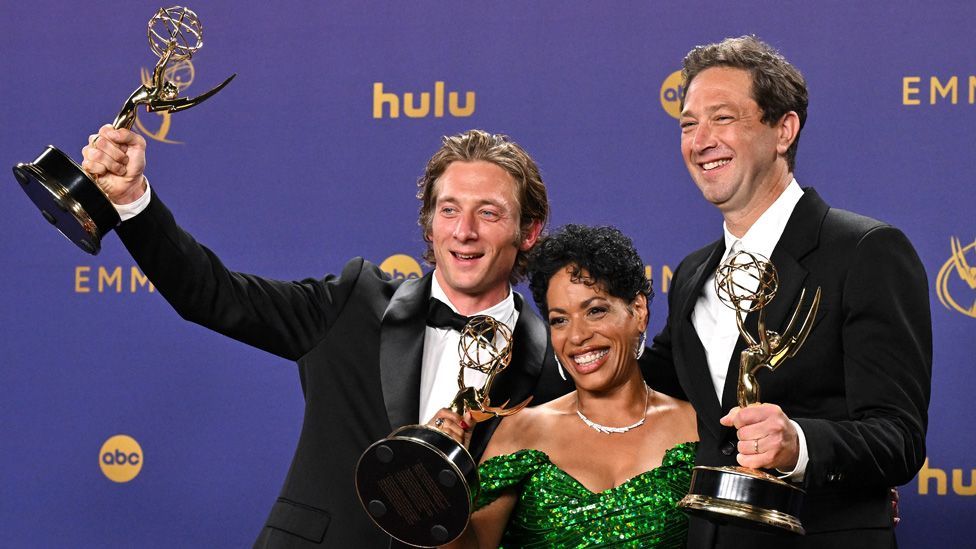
{"type": "Point", "coordinates": [607, 463]}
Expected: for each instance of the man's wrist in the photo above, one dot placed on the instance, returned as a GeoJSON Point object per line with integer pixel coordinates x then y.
{"type": "Point", "coordinates": [803, 457]}
{"type": "Point", "coordinates": [140, 203]}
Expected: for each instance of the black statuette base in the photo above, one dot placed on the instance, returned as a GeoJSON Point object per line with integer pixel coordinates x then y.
{"type": "Point", "coordinates": [68, 198]}
{"type": "Point", "coordinates": [744, 497]}
{"type": "Point", "coordinates": [417, 485]}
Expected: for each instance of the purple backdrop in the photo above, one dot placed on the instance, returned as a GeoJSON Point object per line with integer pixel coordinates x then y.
{"type": "Point", "coordinates": [288, 173]}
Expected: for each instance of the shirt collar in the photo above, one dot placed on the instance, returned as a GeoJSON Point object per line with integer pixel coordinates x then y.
{"type": "Point", "coordinates": [765, 232]}
{"type": "Point", "coordinates": [502, 311]}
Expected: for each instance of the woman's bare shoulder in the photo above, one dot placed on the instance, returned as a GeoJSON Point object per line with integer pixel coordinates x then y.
{"type": "Point", "coordinates": [679, 413]}
{"type": "Point", "coordinates": [526, 429]}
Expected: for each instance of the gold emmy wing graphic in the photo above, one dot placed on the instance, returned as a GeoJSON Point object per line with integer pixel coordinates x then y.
{"type": "Point", "coordinates": [747, 282]}
{"type": "Point", "coordinates": [958, 265]}
{"type": "Point", "coordinates": [71, 199]}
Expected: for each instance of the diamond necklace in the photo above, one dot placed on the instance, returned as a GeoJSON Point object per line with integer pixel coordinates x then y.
{"type": "Point", "coordinates": [608, 430]}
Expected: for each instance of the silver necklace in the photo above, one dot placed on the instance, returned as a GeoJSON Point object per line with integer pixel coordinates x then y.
{"type": "Point", "coordinates": [608, 430]}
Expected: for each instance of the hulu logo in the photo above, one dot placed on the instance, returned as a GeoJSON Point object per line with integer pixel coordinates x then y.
{"type": "Point", "coordinates": [929, 474]}
{"type": "Point", "coordinates": [420, 105]}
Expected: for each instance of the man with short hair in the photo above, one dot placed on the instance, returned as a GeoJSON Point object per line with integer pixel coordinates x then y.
{"type": "Point", "coordinates": [845, 418]}
{"type": "Point", "coordinates": [371, 355]}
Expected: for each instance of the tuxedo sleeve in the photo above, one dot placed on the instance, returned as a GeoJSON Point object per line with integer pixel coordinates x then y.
{"type": "Point", "coordinates": [657, 362]}
{"type": "Point", "coordinates": [886, 336]}
{"type": "Point", "coordinates": [283, 318]}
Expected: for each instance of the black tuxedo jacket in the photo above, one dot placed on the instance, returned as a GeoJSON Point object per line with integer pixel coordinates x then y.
{"type": "Point", "coordinates": [358, 340]}
{"type": "Point", "coordinates": [859, 387]}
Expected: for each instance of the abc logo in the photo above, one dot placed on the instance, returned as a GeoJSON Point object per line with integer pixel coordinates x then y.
{"type": "Point", "coordinates": [401, 267]}
{"type": "Point", "coordinates": [120, 458]}
{"type": "Point", "coordinates": [671, 91]}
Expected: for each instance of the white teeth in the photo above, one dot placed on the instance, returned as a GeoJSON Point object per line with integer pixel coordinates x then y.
{"type": "Point", "coordinates": [716, 164]}
{"type": "Point", "coordinates": [591, 357]}
{"type": "Point", "coordinates": [463, 256]}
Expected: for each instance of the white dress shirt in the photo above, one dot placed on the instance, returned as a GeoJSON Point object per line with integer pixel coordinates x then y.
{"type": "Point", "coordinates": [715, 322]}
{"type": "Point", "coordinates": [441, 360]}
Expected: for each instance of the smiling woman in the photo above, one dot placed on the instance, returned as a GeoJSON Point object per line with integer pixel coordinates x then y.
{"type": "Point", "coordinates": [588, 469]}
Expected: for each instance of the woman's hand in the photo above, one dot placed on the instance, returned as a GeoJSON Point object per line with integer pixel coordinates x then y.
{"type": "Point", "coordinates": [450, 423]}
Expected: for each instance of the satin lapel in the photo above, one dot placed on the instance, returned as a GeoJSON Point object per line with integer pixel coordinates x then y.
{"type": "Point", "coordinates": [401, 350]}
{"type": "Point", "coordinates": [801, 236]}
{"type": "Point", "coordinates": [517, 382]}
{"type": "Point", "coordinates": [700, 390]}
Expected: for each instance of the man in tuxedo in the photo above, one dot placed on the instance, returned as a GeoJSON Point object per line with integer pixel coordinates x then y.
{"type": "Point", "coordinates": [845, 418]}
{"type": "Point", "coordinates": [373, 353]}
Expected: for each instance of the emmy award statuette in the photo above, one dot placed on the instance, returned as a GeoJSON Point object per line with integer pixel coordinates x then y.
{"type": "Point", "coordinates": [747, 282]}
{"type": "Point", "coordinates": [71, 199]}
{"type": "Point", "coordinates": [418, 484]}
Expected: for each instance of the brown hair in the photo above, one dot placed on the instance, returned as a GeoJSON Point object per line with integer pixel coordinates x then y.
{"type": "Point", "coordinates": [777, 86]}
{"type": "Point", "coordinates": [475, 145]}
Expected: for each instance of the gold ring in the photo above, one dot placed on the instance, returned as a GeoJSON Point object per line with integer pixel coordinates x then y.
{"type": "Point", "coordinates": [757, 445]}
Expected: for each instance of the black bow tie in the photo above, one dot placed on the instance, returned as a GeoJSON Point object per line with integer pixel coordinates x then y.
{"type": "Point", "coordinates": [439, 315]}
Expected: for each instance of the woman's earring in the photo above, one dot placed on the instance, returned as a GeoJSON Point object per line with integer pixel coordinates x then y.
{"type": "Point", "coordinates": [559, 365]}
{"type": "Point", "coordinates": [641, 341]}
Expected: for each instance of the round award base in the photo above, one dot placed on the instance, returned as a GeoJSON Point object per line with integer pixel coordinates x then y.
{"type": "Point", "coordinates": [416, 485]}
{"type": "Point", "coordinates": [68, 198]}
{"type": "Point", "coordinates": [746, 497]}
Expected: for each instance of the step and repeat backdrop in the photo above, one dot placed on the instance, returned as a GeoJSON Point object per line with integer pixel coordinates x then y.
{"type": "Point", "coordinates": [123, 425]}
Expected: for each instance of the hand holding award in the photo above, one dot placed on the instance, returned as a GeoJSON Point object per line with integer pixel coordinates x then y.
{"type": "Point", "coordinates": [747, 282]}
{"type": "Point", "coordinates": [71, 199]}
{"type": "Point", "coordinates": [418, 484]}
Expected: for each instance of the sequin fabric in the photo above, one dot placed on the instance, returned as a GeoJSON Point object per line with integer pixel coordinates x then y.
{"type": "Point", "coordinates": [556, 511]}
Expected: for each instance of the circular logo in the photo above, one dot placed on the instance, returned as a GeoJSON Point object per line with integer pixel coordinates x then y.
{"type": "Point", "coordinates": [671, 91]}
{"type": "Point", "coordinates": [401, 266]}
{"type": "Point", "coordinates": [120, 458]}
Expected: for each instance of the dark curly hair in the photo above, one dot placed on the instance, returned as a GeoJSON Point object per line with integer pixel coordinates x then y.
{"type": "Point", "coordinates": [605, 254]}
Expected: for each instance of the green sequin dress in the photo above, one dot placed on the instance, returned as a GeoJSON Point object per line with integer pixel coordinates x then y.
{"type": "Point", "coordinates": [556, 511]}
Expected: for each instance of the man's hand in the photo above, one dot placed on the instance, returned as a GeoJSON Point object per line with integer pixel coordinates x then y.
{"type": "Point", "coordinates": [116, 159]}
{"type": "Point", "coordinates": [767, 439]}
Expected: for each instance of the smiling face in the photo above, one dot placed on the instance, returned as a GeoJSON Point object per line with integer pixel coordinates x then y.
{"type": "Point", "coordinates": [594, 333]}
{"type": "Point", "coordinates": [475, 234]}
{"type": "Point", "coordinates": [736, 160]}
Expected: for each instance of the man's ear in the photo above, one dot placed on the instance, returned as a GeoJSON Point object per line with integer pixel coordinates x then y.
{"type": "Point", "coordinates": [531, 236]}
{"type": "Point", "coordinates": [789, 128]}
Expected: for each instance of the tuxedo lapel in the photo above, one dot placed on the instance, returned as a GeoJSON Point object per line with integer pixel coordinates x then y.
{"type": "Point", "coordinates": [401, 350]}
{"type": "Point", "coordinates": [800, 237]}
{"type": "Point", "coordinates": [697, 280]}
{"type": "Point", "coordinates": [699, 387]}
{"type": "Point", "coordinates": [516, 383]}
